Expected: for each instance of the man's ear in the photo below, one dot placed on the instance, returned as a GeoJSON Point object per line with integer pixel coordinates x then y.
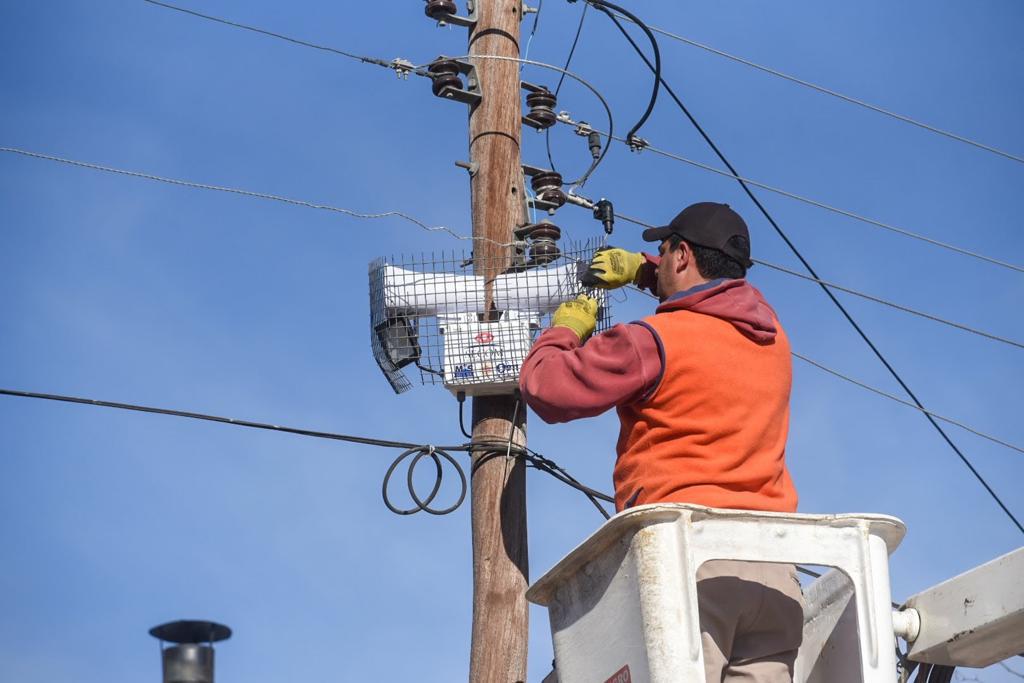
{"type": "Point", "coordinates": [685, 257]}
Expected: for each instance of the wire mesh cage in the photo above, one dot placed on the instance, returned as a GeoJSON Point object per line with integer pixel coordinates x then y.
{"type": "Point", "coordinates": [433, 317]}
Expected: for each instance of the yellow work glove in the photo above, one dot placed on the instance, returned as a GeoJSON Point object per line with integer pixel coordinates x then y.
{"type": "Point", "coordinates": [579, 315]}
{"type": "Point", "coordinates": [611, 268]}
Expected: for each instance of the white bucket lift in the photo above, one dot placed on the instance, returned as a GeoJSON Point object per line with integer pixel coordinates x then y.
{"type": "Point", "coordinates": [623, 605]}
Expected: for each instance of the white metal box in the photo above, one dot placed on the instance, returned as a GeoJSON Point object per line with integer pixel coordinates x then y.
{"type": "Point", "coordinates": [483, 358]}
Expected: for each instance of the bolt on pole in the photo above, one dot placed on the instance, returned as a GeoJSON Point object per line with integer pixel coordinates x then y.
{"type": "Point", "coordinates": [500, 565]}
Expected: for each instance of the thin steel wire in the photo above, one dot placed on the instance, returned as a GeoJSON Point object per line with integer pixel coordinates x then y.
{"type": "Point", "coordinates": [891, 304]}
{"type": "Point", "coordinates": [234, 24]}
{"type": "Point", "coordinates": [813, 202]}
{"type": "Point", "coordinates": [833, 93]}
{"type": "Point", "coordinates": [237, 191]}
{"type": "Point", "coordinates": [909, 404]}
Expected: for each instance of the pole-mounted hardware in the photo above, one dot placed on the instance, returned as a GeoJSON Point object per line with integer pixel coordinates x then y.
{"type": "Point", "coordinates": [605, 212]}
{"type": "Point", "coordinates": [471, 167]}
{"type": "Point", "coordinates": [541, 102]}
{"type": "Point", "coordinates": [584, 130]}
{"type": "Point", "coordinates": [542, 241]}
{"type": "Point", "coordinates": [637, 143]}
{"type": "Point", "coordinates": [444, 12]}
{"type": "Point", "coordinates": [445, 75]}
{"type": "Point", "coordinates": [402, 67]}
{"type": "Point", "coordinates": [547, 188]}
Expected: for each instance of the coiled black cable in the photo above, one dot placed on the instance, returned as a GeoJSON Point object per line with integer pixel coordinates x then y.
{"type": "Point", "coordinates": [423, 505]}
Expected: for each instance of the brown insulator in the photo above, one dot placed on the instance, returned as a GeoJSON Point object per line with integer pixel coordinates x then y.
{"type": "Point", "coordinates": [439, 9]}
{"type": "Point", "coordinates": [543, 247]}
{"type": "Point", "coordinates": [548, 187]}
{"type": "Point", "coordinates": [444, 73]}
{"type": "Point", "coordinates": [542, 104]}
{"type": "Point", "coordinates": [543, 252]}
{"type": "Point", "coordinates": [540, 231]}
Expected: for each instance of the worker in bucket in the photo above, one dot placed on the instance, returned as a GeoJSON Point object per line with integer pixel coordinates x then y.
{"type": "Point", "coordinates": [702, 392]}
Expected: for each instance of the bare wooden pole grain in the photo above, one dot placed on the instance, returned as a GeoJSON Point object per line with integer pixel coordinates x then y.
{"type": "Point", "coordinates": [500, 565]}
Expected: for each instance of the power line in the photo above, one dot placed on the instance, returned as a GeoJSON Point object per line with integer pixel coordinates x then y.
{"type": "Point", "coordinates": [796, 252]}
{"type": "Point", "coordinates": [418, 452]}
{"type": "Point", "coordinates": [812, 202]}
{"type": "Point", "coordinates": [572, 50]}
{"type": "Point", "coordinates": [236, 191]}
{"type": "Point", "coordinates": [366, 441]}
{"type": "Point", "coordinates": [909, 404]}
{"type": "Point", "coordinates": [607, 8]}
{"type": "Point", "coordinates": [561, 79]}
{"type": "Point", "coordinates": [891, 304]}
{"type": "Point", "coordinates": [834, 93]}
{"type": "Point", "coordinates": [533, 31]}
{"type": "Point", "coordinates": [841, 212]}
{"type": "Point", "coordinates": [271, 34]}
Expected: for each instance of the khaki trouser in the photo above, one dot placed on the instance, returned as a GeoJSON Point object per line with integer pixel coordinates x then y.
{"type": "Point", "coordinates": [751, 621]}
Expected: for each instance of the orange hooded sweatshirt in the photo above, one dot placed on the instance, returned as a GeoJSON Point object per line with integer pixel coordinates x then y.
{"type": "Point", "coordinates": [702, 392]}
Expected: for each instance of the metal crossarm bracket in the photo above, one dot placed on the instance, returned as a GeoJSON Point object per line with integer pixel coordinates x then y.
{"type": "Point", "coordinates": [471, 93]}
{"type": "Point", "coordinates": [468, 21]}
{"type": "Point", "coordinates": [537, 202]}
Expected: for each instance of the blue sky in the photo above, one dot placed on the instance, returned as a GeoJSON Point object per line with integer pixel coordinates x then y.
{"type": "Point", "coordinates": [130, 290]}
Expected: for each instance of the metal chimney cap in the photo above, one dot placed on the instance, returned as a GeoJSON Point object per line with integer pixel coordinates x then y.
{"type": "Point", "coordinates": [191, 631]}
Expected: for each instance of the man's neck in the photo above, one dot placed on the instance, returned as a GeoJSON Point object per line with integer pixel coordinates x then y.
{"type": "Point", "coordinates": [693, 289]}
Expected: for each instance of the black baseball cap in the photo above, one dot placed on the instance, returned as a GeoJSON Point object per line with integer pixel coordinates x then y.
{"type": "Point", "coordinates": [711, 225]}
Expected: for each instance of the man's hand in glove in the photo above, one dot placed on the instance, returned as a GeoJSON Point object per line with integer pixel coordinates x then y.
{"type": "Point", "coordinates": [612, 268]}
{"type": "Point", "coordinates": [579, 315]}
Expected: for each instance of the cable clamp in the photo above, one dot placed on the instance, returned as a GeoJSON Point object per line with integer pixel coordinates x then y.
{"type": "Point", "coordinates": [402, 67]}
{"type": "Point", "coordinates": [579, 200]}
{"type": "Point", "coordinates": [583, 129]}
{"type": "Point", "coordinates": [637, 143]}
{"type": "Point", "coordinates": [565, 117]}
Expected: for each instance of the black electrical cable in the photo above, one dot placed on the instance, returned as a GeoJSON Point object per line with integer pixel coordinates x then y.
{"type": "Point", "coordinates": [796, 252]}
{"type": "Point", "coordinates": [461, 398]}
{"type": "Point", "coordinates": [417, 452]}
{"type": "Point", "coordinates": [366, 441]}
{"type": "Point", "coordinates": [604, 7]}
{"type": "Point", "coordinates": [561, 80]}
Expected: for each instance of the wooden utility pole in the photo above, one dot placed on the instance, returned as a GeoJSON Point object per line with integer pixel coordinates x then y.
{"type": "Point", "coordinates": [500, 566]}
